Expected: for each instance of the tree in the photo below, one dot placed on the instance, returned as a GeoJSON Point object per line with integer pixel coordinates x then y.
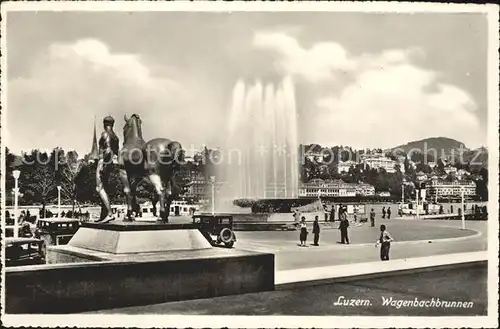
{"type": "Point", "coordinates": [450, 178]}
{"type": "Point", "coordinates": [408, 167]}
{"type": "Point", "coordinates": [86, 184]}
{"type": "Point", "coordinates": [38, 179]}
{"type": "Point", "coordinates": [482, 184]}
{"type": "Point", "coordinates": [440, 167]}
{"type": "Point", "coordinates": [12, 162]}
{"type": "Point", "coordinates": [423, 167]}
{"type": "Point", "coordinates": [67, 175]}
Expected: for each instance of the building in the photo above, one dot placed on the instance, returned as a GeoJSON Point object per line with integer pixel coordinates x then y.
{"type": "Point", "coordinates": [450, 169]}
{"type": "Point", "coordinates": [197, 187]}
{"type": "Point", "coordinates": [344, 166]}
{"type": "Point", "coordinates": [315, 157]}
{"type": "Point", "coordinates": [365, 189]}
{"type": "Point", "coordinates": [453, 190]}
{"type": "Point", "coordinates": [421, 176]}
{"type": "Point", "coordinates": [431, 164]}
{"type": "Point", "coordinates": [380, 161]}
{"type": "Point", "coordinates": [94, 152]}
{"type": "Point", "coordinates": [462, 174]}
{"type": "Point", "coordinates": [334, 188]}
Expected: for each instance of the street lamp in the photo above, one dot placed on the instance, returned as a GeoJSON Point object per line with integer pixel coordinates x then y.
{"type": "Point", "coordinates": [59, 201]}
{"type": "Point", "coordinates": [212, 181]}
{"type": "Point", "coordinates": [463, 212]}
{"type": "Point", "coordinates": [16, 174]}
{"type": "Point", "coordinates": [417, 193]}
{"type": "Point", "coordinates": [403, 192]}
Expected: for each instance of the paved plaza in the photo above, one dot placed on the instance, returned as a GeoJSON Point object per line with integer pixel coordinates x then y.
{"type": "Point", "coordinates": [413, 239]}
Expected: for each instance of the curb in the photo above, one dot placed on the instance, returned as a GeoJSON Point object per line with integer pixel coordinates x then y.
{"type": "Point", "coordinates": [291, 279]}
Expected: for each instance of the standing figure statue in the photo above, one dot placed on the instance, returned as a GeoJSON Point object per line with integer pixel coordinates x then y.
{"type": "Point", "coordinates": [157, 159]}
{"type": "Point", "coordinates": [108, 157]}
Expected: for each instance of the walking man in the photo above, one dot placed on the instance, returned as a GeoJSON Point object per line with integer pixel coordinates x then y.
{"type": "Point", "coordinates": [344, 236]}
{"type": "Point", "coordinates": [383, 212]}
{"type": "Point", "coordinates": [385, 240]}
{"type": "Point", "coordinates": [389, 213]}
{"type": "Point", "coordinates": [108, 156]}
{"type": "Point", "coordinates": [372, 218]}
{"type": "Point", "coordinates": [316, 231]}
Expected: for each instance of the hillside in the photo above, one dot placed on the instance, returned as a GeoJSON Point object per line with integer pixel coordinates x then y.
{"type": "Point", "coordinates": [476, 159]}
{"type": "Point", "coordinates": [442, 145]}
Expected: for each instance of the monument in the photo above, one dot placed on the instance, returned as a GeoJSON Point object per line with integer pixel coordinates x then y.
{"type": "Point", "coordinates": [130, 263]}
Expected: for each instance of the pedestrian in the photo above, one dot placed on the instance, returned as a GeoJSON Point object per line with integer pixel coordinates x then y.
{"type": "Point", "coordinates": [385, 240]}
{"type": "Point", "coordinates": [316, 231]}
{"type": "Point", "coordinates": [303, 232]}
{"type": "Point", "coordinates": [341, 209]}
{"type": "Point", "coordinates": [332, 213]}
{"type": "Point", "coordinates": [344, 235]}
{"type": "Point", "coordinates": [388, 212]}
{"type": "Point", "coordinates": [372, 218]}
{"type": "Point", "coordinates": [383, 212]}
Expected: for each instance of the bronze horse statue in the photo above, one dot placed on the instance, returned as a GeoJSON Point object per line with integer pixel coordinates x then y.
{"type": "Point", "coordinates": [158, 160]}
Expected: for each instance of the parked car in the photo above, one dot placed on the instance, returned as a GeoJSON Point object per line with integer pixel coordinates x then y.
{"type": "Point", "coordinates": [216, 229]}
{"type": "Point", "coordinates": [24, 251]}
{"type": "Point", "coordinates": [56, 231]}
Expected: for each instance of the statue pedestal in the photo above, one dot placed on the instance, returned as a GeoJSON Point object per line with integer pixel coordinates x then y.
{"type": "Point", "coordinates": [122, 238]}
{"type": "Point", "coordinates": [124, 264]}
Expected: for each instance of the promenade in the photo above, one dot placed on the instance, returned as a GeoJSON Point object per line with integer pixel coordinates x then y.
{"type": "Point", "coordinates": [413, 239]}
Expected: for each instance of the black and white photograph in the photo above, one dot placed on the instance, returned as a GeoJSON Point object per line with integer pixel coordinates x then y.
{"type": "Point", "coordinates": [249, 164]}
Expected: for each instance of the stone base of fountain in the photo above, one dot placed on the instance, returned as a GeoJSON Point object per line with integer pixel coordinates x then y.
{"type": "Point", "coordinates": [131, 264]}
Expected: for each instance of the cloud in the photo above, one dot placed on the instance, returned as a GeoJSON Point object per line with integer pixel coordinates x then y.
{"type": "Point", "coordinates": [70, 83]}
{"type": "Point", "coordinates": [315, 64]}
{"type": "Point", "coordinates": [397, 104]}
{"type": "Point", "coordinates": [387, 100]}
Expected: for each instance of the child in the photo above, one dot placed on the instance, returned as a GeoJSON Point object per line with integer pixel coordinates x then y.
{"type": "Point", "coordinates": [303, 232]}
{"type": "Point", "coordinates": [385, 239]}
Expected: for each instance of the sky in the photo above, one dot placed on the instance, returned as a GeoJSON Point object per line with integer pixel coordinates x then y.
{"type": "Point", "coordinates": [365, 80]}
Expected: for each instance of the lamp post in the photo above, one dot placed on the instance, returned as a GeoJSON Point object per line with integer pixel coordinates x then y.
{"type": "Point", "coordinates": [403, 192]}
{"type": "Point", "coordinates": [463, 212]}
{"type": "Point", "coordinates": [212, 181]}
{"type": "Point", "coordinates": [16, 174]}
{"type": "Point", "coordinates": [58, 201]}
{"type": "Point", "coordinates": [417, 192]}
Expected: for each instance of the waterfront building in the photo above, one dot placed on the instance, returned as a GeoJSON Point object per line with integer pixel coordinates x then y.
{"type": "Point", "coordinates": [334, 188]}
{"type": "Point", "coordinates": [444, 189]}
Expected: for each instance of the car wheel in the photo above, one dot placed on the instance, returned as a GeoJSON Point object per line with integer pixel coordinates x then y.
{"type": "Point", "coordinates": [226, 235]}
